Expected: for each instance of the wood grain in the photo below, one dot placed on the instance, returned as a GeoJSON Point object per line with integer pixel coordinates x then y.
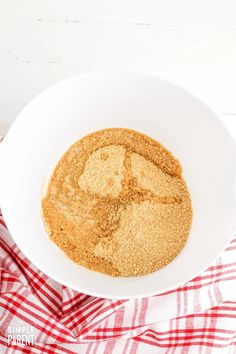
{"type": "Point", "coordinates": [190, 43]}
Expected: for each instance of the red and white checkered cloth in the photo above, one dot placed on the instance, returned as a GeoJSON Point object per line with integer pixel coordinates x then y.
{"type": "Point", "coordinates": [198, 317]}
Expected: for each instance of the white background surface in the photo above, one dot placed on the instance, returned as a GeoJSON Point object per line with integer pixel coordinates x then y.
{"type": "Point", "coordinates": [192, 43]}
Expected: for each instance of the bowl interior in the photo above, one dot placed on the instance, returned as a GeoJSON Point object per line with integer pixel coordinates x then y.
{"type": "Point", "coordinates": [73, 108]}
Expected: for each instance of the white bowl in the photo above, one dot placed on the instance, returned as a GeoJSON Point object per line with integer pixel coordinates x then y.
{"type": "Point", "coordinates": [75, 107]}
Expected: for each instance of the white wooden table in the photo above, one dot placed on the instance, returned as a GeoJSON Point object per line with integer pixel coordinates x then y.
{"type": "Point", "coordinates": [192, 43]}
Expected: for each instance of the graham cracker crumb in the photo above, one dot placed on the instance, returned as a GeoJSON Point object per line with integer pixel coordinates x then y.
{"type": "Point", "coordinates": [98, 171]}
{"type": "Point", "coordinates": [104, 156]}
{"type": "Point", "coordinates": [117, 204]}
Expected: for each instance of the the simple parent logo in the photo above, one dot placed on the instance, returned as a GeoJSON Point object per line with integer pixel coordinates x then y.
{"type": "Point", "coordinates": [20, 335]}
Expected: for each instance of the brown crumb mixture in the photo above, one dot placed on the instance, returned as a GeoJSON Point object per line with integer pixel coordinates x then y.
{"type": "Point", "coordinates": [117, 204]}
